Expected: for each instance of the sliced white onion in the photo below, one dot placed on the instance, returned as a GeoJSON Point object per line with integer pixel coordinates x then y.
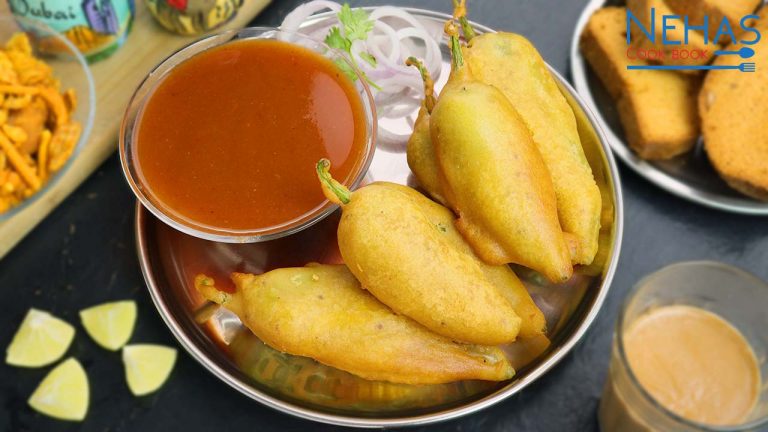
{"type": "Point", "coordinates": [391, 11]}
{"type": "Point", "coordinates": [296, 17]}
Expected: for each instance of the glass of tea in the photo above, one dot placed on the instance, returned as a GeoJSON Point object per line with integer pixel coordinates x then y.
{"type": "Point", "coordinates": [221, 139]}
{"type": "Point", "coordinates": [689, 353]}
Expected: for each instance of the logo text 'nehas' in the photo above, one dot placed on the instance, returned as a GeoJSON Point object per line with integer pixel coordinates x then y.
{"type": "Point", "coordinates": [667, 22]}
{"type": "Point", "coordinates": [669, 37]}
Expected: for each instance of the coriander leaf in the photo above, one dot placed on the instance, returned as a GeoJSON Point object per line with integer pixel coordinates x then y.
{"type": "Point", "coordinates": [346, 68]}
{"type": "Point", "coordinates": [371, 60]}
{"type": "Point", "coordinates": [336, 40]}
{"type": "Point", "coordinates": [356, 23]}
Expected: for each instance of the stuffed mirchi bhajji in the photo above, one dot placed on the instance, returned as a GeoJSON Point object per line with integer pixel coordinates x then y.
{"type": "Point", "coordinates": [420, 151]}
{"type": "Point", "coordinates": [494, 177]}
{"type": "Point", "coordinates": [322, 312]}
{"type": "Point", "coordinates": [502, 277]}
{"type": "Point", "coordinates": [402, 257]}
{"type": "Point", "coordinates": [512, 64]}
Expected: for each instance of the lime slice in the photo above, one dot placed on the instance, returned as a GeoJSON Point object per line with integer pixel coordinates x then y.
{"type": "Point", "coordinates": [110, 324]}
{"type": "Point", "coordinates": [147, 366]}
{"type": "Point", "coordinates": [63, 393]}
{"type": "Point", "coordinates": [40, 340]}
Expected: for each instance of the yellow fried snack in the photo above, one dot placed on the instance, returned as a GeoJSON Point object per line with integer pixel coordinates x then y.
{"type": "Point", "coordinates": [322, 312]}
{"type": "Point", "coordinates": [37, 133]}
{"type": "Point", "coordinates": [31, 119]}
{"type": "Point", "coordinates": [494, 177]}
{"type": "Point", "coordinates": [62, 145]}
{"type": "Point", "coordinates": [17, 160]}
{"type": "Point", "coordinates": [512, 64]}
{"type": "Point", "coordinates": [406, 261]}
{"type": "Point", "coordinates": [420, 151]}
{"type": "Point", "coordinates": [501, 277]}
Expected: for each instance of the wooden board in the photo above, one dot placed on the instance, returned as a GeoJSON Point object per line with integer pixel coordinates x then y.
{"type": "Point", "coordinates": [116, 79]}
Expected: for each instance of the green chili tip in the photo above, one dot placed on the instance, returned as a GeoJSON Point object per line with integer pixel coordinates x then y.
{"type": "Point", "coordinates": [333, 190]}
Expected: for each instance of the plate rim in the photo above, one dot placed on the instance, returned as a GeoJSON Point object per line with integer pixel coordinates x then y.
{"type": "Point", "coordinates": [673, 185]}
{"type": "Point", "coordinates": [499, 395]}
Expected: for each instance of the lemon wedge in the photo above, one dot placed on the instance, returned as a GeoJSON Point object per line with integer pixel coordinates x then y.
{"type": "Point", "coordinates": [63, 393]}
{"type": "Point", "coordinates": [110, 324]}
{"type": "Point", "coordinates": [40, 340]}
{"type": "Point", "coordinates": [147, 366]}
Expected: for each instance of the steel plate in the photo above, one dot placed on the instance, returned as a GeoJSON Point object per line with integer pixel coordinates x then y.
{"type": "Point", "coordinates": [299, 386]}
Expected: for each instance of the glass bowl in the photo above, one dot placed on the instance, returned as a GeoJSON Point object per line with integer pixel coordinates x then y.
{"type": "Point", "coordinates": [71, 68]}
{"type": "Point", "coordinates": [129, 129]}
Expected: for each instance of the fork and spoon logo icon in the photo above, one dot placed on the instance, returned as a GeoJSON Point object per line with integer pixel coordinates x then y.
{"type": "Point", "coordinates": [743, 52]}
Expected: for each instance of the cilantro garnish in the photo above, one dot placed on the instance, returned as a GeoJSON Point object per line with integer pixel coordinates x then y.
{"type": "Point", "coordinates": [355, 25]}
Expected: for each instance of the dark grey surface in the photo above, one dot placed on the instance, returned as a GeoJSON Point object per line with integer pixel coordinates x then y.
{"type": "Point", "coordinates": [83, 254]}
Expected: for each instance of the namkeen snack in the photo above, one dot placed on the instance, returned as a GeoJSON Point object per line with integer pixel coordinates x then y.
{"type": "Point", "coordinates": [37, 133]}
{"type": "Point", "coordinates": [657, 108]}
{"type": "Point", "coordinates": [494, 177]}
{"type": "Point", "coordinates": [402, 257]}
{"type": "Point", "coordinates": [512, 64]}
{"type": "Point", "coordinates": [322, 312]}
{"type": "Point", "coordinates": [737, 145]}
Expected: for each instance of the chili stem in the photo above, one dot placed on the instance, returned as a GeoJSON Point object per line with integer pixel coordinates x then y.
{"type": "Point", "coordinates": [333, 190]}
{"type": "Point", "coordinates": [429, 85]}
{"type": "Point", "coordinates": [457, 58]}
{"type": "Point", "coordinates": [460, 13]}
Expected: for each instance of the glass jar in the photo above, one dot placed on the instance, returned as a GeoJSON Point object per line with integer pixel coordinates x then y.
{"type": "Point", "coordinates": [193, 17]}
{"type": "Point", "coordinates": [735, 295]}
{"type": "Point", "coordinates": [96, 27]}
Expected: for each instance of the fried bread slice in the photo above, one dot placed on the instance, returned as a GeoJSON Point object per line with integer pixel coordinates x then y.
{"type": "Point", "coordinates": [657, 108]}
{"type": "Point", "coordinates": [734, 115]}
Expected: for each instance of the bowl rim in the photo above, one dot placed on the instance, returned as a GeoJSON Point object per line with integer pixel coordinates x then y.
{"type": "Point", "coordinates": [88, 121]}
{"type": "Point", "coordinates": [141, 96]}
{"type": "Point", "coordinates": [555, 356]}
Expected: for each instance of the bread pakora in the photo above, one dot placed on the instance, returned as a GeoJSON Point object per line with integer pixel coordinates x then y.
{"type": "Point", "coordinates": [734, 114]}
{"type": "Point", "coordinates": [657, 108]}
